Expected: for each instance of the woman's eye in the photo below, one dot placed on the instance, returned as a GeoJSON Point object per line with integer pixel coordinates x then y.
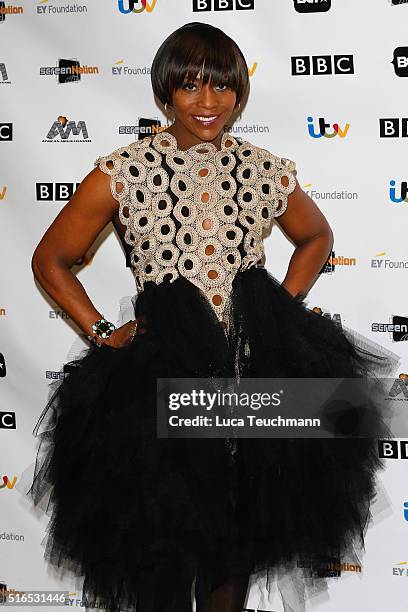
{"type": "Point", "coordinates": [189, 86]}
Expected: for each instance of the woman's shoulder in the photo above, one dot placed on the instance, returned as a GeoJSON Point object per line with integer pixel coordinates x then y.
{"type": "Point", "coordinates": [272, 160]}
{"type": "Point", "coordinates": [112, 162]}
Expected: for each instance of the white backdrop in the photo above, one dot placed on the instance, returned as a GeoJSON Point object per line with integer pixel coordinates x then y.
{"type": "Point", "coordinates": [358, 179]}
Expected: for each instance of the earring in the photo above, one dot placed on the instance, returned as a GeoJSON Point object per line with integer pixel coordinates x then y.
{"type": "Point", "coordinates": [238, 107]}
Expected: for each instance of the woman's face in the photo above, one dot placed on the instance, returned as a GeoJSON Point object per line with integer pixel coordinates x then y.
{"type": "Point", "coordinates": [203, 110]}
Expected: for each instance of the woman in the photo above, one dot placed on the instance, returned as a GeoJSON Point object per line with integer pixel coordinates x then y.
{"type": "Point", "coordinates": [191, 205]}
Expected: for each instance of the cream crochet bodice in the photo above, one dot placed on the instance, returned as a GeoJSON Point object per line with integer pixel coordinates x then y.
{"type": "Point", "coordinates": [199, 212]}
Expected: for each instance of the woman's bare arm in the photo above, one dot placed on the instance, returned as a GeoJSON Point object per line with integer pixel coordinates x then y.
{"type": "Point", "coordinates": [308, 228]}
{"type": "Point", "coordinates": [67, 239]}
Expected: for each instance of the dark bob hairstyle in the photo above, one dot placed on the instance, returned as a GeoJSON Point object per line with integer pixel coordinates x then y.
{"type": "Point", "coordinates": [189, 49]}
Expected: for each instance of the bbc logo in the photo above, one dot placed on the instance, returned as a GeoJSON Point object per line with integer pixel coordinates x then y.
{"type": "Point", "coordinates": [393, 449]}
{"type": "Point", "coordinates": [223, 5]}
{"type": "Point", "coordinates": [7, 420]}
{"type": "Point", "coordinates": [55, 192]}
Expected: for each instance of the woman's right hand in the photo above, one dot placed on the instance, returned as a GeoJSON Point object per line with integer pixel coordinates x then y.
{"type": "Point", "coordinates": [124, 335]}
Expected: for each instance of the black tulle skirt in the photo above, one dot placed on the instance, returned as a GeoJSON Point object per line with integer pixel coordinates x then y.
{"type": "Point", "coordinates": [142, 517]}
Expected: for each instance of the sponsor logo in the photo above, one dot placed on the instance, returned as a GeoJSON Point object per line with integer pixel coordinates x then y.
{"type": "Point", "coordinates": [4, 80]}
{"type": "Point", "coordinates": [399, 389]}
{"type": "Point", "coordinates": [223, 5]}
{"type": "Point", "coordinates": [144, 127]}
{"type": "Point", "coordinates": [388, 264]}
{"type": "Point", "coordinates": [339, 260]}
{"type": "Point", "coordinates": [54, 375]}
{"type": "Point", "coordinates": [7, 483]}
{"type": "Point", "coordinates": [336, 317]}
{"type": "Point", "coordinates": [12, 537]}
{"type": "Point", "coordinates": [120, 68]}
{"type": "Point", "coordinates": [400, 61]}
{"type": "Point", "coordinates": [324, 127]}
{"type": "Point", "coordinates": [305, 65]}
{"type": "Point", "coordinates": [58, 314]}
{"type": "Point", "coordinates": [7, 420]}
{"type": "Point", "coordinates": [403, 191]}
{"type": "Point", "coordinates": [393, 127]}
{"type": "Point", "coordinates": [10, 9]}
{"type": "Point", "coordinates": [398, 329]}
{"type": "Point", "coordinates": [6, 131]}
{"type": "Point", "coordinates": [312, 6]}
{"type": "Point", "coordinates": [393, 449]}
{"type": "Point", "coordinates": [136, 6]}
{"type": "Point", "coordinates": [55, 192]}
{"type": "Point", "coordinates": [43, 8]}
{"type": "Point", "coordinates": [3, 369]}
{"type": "Point", "coordinates": [68, 70]}
{"type": "Point", "coordinates": [63, 130]}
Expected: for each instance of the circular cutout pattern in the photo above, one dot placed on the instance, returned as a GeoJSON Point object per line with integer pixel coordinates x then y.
{"type": "Point", "coordinates": [247, 197]}
{"type": "Point", "coordinates": [168, 275]}
{"type": "Point", "coordinates": [231, 259]}
{"type": "Point", "coordinates": [224, 161]}
{"type": "Point", "coordinates": [179, 161]}
{"type": "Point", "coordinates": [291, 181]}
{"type": "Point", "coordinates": [225, 185]}
{"type": "Point", "coordinates": [167, 254]}
{"type": "Point", "coordinates": [203, 173]}
{"type": "Point", "coordinates": [146, 245]}
{"type": "Point", "coordinates": [187, 238]}
{"type": "Point", "coordinates": [189, 264]}
{"type": "Point", "coordinates": [209, 249]}
{"type": "Point", "coordinates": [227, 210]}
{"type": "Point", "coordinates": [134, 171]}
{"type": "Point", "coordinates": [247, 173]}
{"type": "Point", "coordinates": [181, 185]}
{"type": "Point", "coordinates": [157, 180]}
{"type": "Point", "coordinates": [140, 196]}
{"type": "Point", "coordinates": [165, 229]}
{"type": "Point", "coordinates": [185, 211]}
{"type": "Point", "coordinates": [230, 235]}
{"type": "Point", "coordinates": [142, 221]}
{"type": "Point", "coordinates": [162, 205]}
{"type": "Point", "coordinates": [149, 157]}
{"type": "Point", "coordinates": [207, 224]}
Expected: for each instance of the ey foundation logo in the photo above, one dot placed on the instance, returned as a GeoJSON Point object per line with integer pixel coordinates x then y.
{"type": "Point", "coordinates": [55, 192]}
{"type": "Point", "coordinates": [322, 131]}
{"type": "Point", "coordinates": [120, 68]}
{"type": "Point", "coordinates": [397, 329]}
{"type": "Point", "coordinates": [44, 8]}
{"type": "Point", "coordinates": [393, 127]}
{"type": "Point", "coordinates": [10, 9]}
{"type": "Point", "coordinates": [4, 79]}
{"type": "Point", "coordinates": [68, 71]}
{"type": "Point", "coordinates": [402, 189]}
{"type": "Point", "coordinates": [223, 5]}
{"type": "Point", "coordinates": [136, 6]}
{"type": "Point", "coordinates": [380, 262]}
{"type": "Point", "coordinates": [305, 65]}
{"type": "Point", "coordinates": [400, 569]}
{"type": "Point", "coordinates": [312, 6]}
{"type": "Point", "coordinates": [62, 129]}
{"type": "Point", "coordinates": [400, 61]}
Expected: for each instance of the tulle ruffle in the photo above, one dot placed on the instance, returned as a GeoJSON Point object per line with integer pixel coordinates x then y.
{"type": "Point", "coordinates": [137, 515]}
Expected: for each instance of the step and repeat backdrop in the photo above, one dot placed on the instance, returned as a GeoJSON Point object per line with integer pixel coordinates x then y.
{"type": "Point", "coordinates": [328, 90]}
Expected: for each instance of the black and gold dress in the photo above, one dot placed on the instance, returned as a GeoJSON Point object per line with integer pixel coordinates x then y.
{"type": "Point", "coordinates": [142, 517]}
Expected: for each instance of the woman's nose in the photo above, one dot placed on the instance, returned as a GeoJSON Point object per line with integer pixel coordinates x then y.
{"type": "Point", "coordinates": [208, 98]}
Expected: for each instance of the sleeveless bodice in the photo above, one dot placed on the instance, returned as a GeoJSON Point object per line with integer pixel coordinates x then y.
{"type": "Point", "coordinates": [200, 213]}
